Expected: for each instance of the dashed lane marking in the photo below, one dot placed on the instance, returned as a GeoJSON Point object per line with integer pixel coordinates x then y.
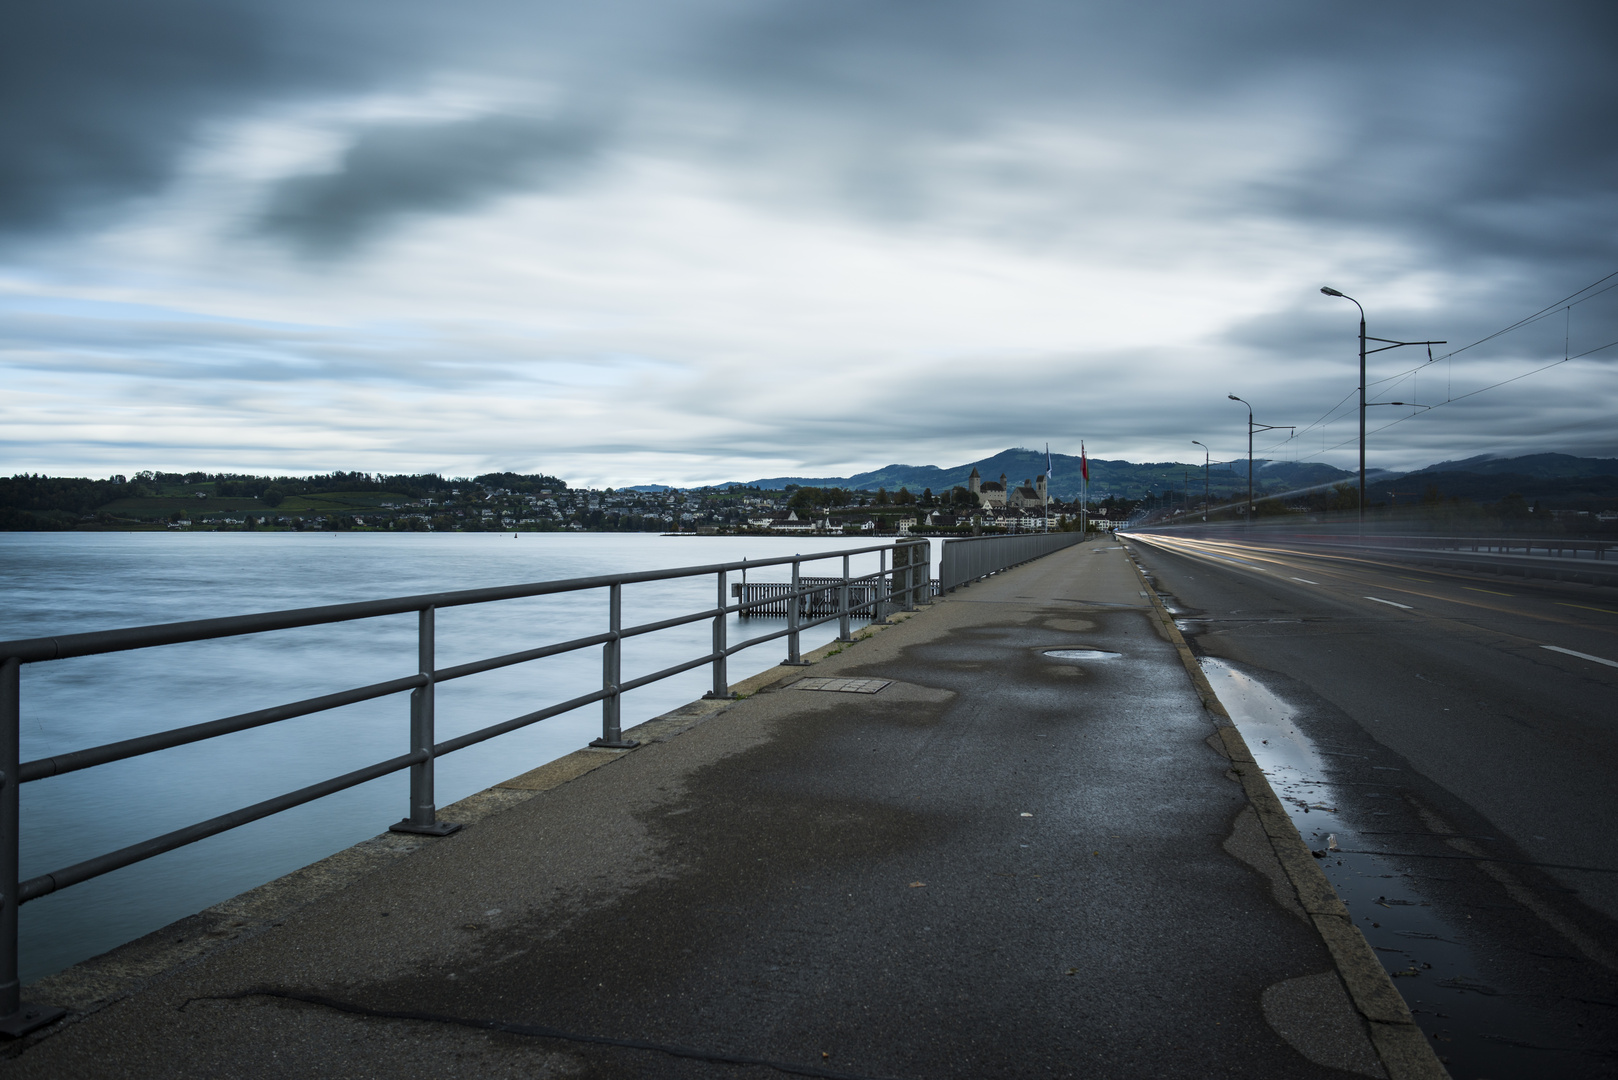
{"type": "Point", "coordinates": [1587, 607]}
{"type": "Point", "coordinates": [1390, 603]}
{"type": "Point", "coordinates": [1491, 592]}
{"type": "Point", "coordinates": [1581, 655]}
{"type": "Point", "coordinates": [1306, 581]}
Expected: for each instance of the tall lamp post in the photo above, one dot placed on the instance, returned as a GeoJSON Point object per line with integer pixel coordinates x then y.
{"type": "Point", "coordinates": [1204, 446]}
{"type": "Point", "coordinates": [1389, 344]}
{"type": "Point", "coordinates": [1247, 514]}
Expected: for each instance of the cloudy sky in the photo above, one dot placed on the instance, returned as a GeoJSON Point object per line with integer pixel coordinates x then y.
{"type": "Point", "coordinates": [640, 240]}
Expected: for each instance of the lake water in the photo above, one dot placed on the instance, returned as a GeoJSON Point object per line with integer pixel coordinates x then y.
{"type": "Point", "coordinates": [56, 583]}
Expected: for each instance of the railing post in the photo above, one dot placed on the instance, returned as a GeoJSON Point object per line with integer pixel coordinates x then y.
{"type": "Point", "coordinates": [927, 596]}
{"type": "Point", "coordinates": [910, 576]}
{"type": "Point", "coordinates": [924, 594]}
{"type": "Point", "coordinates": [794, 602]}
{"type": "Point", "coordinates": [901, 577]}
{"type": "Point", "coordinates": [721, 680]}
{"type": "Point", "coordinates": [423, 817]}
{"type": "Point", "coordinates": [612, 656]}
{"type": "Point", "coordinates": [17, 1018]}
{"type": "Point", "coordinates": [879, 608]}
{"type": "Point", "coordinates": [843, 633]}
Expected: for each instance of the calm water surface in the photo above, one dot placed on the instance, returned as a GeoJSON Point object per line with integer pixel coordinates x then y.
{"type": "Point", "coordinates": [66, 583]}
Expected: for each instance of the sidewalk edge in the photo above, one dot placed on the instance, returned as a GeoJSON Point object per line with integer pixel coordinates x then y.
{"type": "Point", "coordinates": [1400, 1044]}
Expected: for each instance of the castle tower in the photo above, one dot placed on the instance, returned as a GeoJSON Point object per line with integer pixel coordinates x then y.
{"type": "Point", "coordinates": [974, 483]}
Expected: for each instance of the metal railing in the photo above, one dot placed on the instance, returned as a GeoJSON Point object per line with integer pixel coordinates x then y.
{"type": "Point", "coordinates": [1553, 558]}
{"type": "Point", "coordinates": [970, 558]}
{"type": "Point", "coordinates": [907, 584]}
{"type": "Point", "coordinates": [1552, 547]}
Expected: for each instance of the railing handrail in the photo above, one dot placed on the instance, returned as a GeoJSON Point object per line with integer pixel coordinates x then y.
{"type": "Point", "coordinates": [92, 643]}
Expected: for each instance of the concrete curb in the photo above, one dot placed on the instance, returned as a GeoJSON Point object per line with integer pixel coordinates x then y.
{"type": "Point", "coordinates": [91, 985]}
{"type": "Point", "coordinates": [1401, 1045]}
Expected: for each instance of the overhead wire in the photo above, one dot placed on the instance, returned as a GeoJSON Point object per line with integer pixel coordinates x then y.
{"type": "Point", "coordinates": [1474, 393]}
{"type": "Point", "coordinates": [1561, 305]}
{"type": "Point", "coordinates": [1565, 305]}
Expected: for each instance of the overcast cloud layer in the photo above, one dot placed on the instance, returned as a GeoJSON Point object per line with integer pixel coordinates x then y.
{"type": "Point", "coordinates": [731, 238]}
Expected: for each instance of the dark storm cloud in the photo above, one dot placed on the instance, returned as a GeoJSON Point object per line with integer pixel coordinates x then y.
{"type": "Point", "coordinates": [1478, 127]}
{"type": "Point", "coordinates": [100, 100]}
{"type": "Point", "coordinates": [395, 170]}
{"type": "Point", "coordinates": [1475, 132]}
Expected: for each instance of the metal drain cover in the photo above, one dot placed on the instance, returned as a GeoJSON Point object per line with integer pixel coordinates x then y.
{"type": "Point", "coordinates": [846, 686]}
{"type": "Point", "coordinates": [1081, 654]}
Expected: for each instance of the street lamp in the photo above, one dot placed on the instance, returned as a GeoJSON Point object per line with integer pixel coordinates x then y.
{"type": "Point", "coordinates": [1390, 344]}
{"type": "Point", "coordinates": [1204, 446]}
{"type": "Point", "coordinates": [1247, 514]}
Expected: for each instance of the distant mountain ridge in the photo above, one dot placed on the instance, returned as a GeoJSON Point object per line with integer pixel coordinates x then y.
{"type": "Point", "coordinates": [1124, 479]}
{"type": "Point", "coordinates": [1543, 466]}
{"type": "Point", "coordinates": [1555, 477]}
{"type": "Point", "coordinates": [1559, 480]}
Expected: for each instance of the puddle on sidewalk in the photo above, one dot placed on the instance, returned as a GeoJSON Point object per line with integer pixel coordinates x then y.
{"type": "Point", "coordinates": [1477, 1030]}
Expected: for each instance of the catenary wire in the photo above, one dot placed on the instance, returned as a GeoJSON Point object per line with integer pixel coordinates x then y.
{"type": "Point", "coordinates": [1567, 303]}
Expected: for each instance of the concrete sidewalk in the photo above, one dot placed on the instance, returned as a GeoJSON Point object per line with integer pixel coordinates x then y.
{"type": "Point", "coordinates": [1001, 864]}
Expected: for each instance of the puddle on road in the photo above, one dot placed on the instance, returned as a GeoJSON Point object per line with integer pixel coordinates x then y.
{"type": "Point", "coordinates": [1477, 1030]}
{"type": "Point", "coordinates": [1081, 654]}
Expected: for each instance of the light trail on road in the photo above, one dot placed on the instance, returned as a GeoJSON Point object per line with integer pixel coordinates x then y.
{"type": "Point", "coordinates": [1359, 571]}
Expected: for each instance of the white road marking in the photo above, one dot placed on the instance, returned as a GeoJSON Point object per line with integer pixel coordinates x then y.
{"type": "Point", "coordinates": [1581, 655]}
{"type": "Point", "coordinates": [1306, 581]}
{"type": "Point", "coordinates": [1406, 607]}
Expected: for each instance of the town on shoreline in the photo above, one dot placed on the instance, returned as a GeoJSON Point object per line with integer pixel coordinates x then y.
{"type": "Point", "coordinates": [512, 502]}
{"type": "Point", "coordinates": [1544, 493]}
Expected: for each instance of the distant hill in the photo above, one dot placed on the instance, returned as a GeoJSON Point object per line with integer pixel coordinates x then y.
{"type": "Point", "coordinates": [1561, 481]}
{"type": "Point", "coordinates": [1125, 479]}
{"type": "Point", "coordinates": [1543, 466]}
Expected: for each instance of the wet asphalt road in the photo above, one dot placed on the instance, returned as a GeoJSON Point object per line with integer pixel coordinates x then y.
{"type": "Point", "coordinates": [1443, 730]}
{"type": "Point", "coordinates": [1003, 864]}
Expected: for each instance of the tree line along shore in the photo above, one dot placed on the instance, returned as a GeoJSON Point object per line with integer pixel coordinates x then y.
{"type": "Point", "coordinates": [492, 502]}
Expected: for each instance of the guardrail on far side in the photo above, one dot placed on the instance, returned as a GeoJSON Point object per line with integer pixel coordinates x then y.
{"type": "Point", "coordinates": [970, 558]}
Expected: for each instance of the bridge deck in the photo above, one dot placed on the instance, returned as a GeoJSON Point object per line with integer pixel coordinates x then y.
{"type": "Point", "coordinates": [998, 864]}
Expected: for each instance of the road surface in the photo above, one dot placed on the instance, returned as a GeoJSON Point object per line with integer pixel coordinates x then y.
{"type": "Point", "coordinates": [1464, 728]}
